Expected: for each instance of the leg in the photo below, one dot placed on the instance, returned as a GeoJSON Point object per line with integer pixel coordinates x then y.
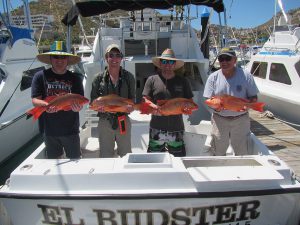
{"type": "Point", "coordinates": [106, 138]}
{"type": "Point", "coordinates": [71, 145]}
{"type": "Point", "coordinates": [175, 143]}
{"type": "Point", "coordinates": [124, 140]}
{"type": "Point", "coordinates": [220, 135]}
{"type": "Point", "coordinates": [54, 148]}
{"type": "Point", "coordinates": [240, 133]}
{"type": "Point", "coordinates": [155, 142]}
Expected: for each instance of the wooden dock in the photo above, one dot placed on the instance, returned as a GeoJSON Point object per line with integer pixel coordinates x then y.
{"type": "Point", "coordinates": [282, 139]}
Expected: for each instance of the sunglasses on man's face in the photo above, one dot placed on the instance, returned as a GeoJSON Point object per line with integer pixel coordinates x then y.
{"type": "Point", "coordinates": [59, 56]}
{"type": "Point", "coordinates": [115, 55]}
{"type": "Point", "coordinates": [226, 58]}
{"type": "Point", "coordinates": [165, 61]}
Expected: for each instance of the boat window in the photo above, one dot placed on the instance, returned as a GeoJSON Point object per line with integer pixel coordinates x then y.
{"type": "Point", "coordinates": [279, 73]}
{"type": "Point", "coordinates": [259, 69]}
{"type": "Point", "coordinates": [27, 77]}
{"type": "Point", "coordinates": [297, 67]}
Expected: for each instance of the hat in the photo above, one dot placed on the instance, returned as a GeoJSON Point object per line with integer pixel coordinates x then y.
{"type": "Point", "coordinates": [58, 48]}
{"type": "Point", "coordinates": [112, 46]}
{"type": "Point", "coordinates": [169, 55]}
{"type": "Point", "coordinates": [227, 51]}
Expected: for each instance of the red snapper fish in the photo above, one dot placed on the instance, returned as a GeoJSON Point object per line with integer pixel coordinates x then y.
{"type": "Point", "coordinates": [175, 106]}
{"type": "Point", "coordinates": [61, 102]}
{"type": "Point", "coordinates": [113, 103]}
{"type": "Point", "coordinates": [232, 103]}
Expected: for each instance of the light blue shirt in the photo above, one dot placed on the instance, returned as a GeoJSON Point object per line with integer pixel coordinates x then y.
{"type": "Point", "coordinates": [240, 85]}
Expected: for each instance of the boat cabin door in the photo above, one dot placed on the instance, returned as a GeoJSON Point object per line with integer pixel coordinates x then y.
{"type": "Point", "coordinates": [142, 72]}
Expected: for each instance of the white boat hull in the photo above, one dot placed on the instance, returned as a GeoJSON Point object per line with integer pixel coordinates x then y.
{"type": "Point", "coordinates": [14, 134]}
{"type": "Point", "coordinates": [211, 208]}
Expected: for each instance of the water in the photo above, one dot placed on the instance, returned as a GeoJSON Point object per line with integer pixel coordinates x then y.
{"type": "Point", "coordinates": [8, 166]}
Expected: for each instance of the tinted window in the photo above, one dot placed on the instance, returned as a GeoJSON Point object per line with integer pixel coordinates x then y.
{"type": "Point", "coordinates": [27, 78]}
{"type": "Point", "coordinates": [259, 69]}
{"type": "Point", "coordinates": [279, 74]}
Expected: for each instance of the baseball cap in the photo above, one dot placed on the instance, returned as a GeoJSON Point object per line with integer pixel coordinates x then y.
{"type": "Point", "coordinates": [227, 51]}
{"type": "Point", "coordinates": [112, 46]}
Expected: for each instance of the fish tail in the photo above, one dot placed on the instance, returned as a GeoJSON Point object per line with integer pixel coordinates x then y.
{"type": "Point", "coordinates": [258, 106]}
{"type": "Point", "coordinates": [36, 112]}
{"type": "Point", "coordinates": [145, 108]}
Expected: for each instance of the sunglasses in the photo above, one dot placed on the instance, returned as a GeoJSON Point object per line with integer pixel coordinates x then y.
{"type": "Point", "coordinates": [165, 61]}
{"type": "Point", "coordinates": [59, 56]}
{"type": "Point", "coordinates": [115, 55]}
{"type": "Point", "coordinates": [226, 58]}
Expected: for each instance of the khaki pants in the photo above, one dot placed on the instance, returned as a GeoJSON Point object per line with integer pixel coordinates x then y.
{"type": "Point", "coordinates": [234, 131]}
{"type": "Point", "coordinates": [108, 137]}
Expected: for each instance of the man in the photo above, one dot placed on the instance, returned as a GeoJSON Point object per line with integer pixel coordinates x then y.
{"type": "Point", "coordinates": [114, 80]}
{"type": "Point", "coordinates": [166, 132]}
{"type": "Point", "coordinates": [60, 128]}
{"type": "Point", "coordinates": [229, 126]}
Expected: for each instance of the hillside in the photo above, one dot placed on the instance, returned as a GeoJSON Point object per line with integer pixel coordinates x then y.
{"type": "Point", "coordinates": [58, 9]}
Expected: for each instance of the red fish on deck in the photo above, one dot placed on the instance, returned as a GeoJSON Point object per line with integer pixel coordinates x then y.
{"type": "Point", "coordinates": [232, 103]}
{"type": "Point", "coordinates": [61, 102]}
{"type": "Point", "coordinates": [175, 106]}
{"type": "Point", "coordinates": [113, 103]}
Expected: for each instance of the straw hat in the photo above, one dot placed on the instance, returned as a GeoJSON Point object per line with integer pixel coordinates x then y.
{"type": "Point", "coordinates": [168, 54]}
{"type": "Point", "coordinates": [58, 48]}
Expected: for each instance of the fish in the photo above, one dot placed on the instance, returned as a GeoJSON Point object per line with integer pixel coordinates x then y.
{"type": "Point", "coordinates": [232, 103]}
{"type": "Point", "coordinates": [175, 106]}
{"type": "Point", "coordinates": [61, 102]}
{"type": "Point", "coordinates": [113, 103]}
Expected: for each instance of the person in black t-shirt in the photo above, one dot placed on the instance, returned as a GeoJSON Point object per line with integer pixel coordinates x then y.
{"type": "Point", "coordinates": [166, 132]}
{"type": "Point", "coordinates": [60, 128]}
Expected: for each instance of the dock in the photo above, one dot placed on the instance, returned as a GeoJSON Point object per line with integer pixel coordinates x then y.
{"type": "Point", "coordinates": [282, 139]}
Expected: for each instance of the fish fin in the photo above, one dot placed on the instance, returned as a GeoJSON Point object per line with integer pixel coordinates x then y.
{"type": "Point", "coordinates": [258, 106]}
{"type": "Point", "coordinates": [36, 112]}
{"type": "Point", "coordinates": [161, 102]}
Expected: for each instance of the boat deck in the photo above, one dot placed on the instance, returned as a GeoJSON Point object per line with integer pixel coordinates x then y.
{"type": "Point", "coordinates": [282, 139]}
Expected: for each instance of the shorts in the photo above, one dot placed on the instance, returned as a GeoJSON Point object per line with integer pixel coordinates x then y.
{"type": "Point", "coordinates": [164, 141]}
{"type": "Point", "coordinates": [57, 146]}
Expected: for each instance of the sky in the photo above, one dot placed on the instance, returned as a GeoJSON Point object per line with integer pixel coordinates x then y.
{"type": "Point", "coordinates": [240, 13]}
{"type": "Point", "coordinates": [248, 13]}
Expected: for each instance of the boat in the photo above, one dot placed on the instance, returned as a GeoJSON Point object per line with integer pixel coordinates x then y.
{"type": "Point", "coordinates": [18, 64]}
{"type": "Point", "coordinates": [156, 188]}
{"type": "Point", "coordinates": [276, 70]}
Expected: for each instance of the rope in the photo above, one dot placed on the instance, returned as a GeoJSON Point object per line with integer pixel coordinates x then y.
{"type": "Point", "coordinates": [271, 115]}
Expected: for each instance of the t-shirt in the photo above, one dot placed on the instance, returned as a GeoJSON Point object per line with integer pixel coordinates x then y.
{"type": "Point", "coordinates": [240, 85]}
{"type": "Point", "coordinates": [47, 83]}
{"type": "Point", "coordinates": [158, 88]}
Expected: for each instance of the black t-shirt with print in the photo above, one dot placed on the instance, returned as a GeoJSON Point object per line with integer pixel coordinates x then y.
{"type": "Point", "coordinates": [47, 83]}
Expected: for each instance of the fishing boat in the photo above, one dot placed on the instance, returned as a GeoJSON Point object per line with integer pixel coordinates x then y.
{"type": "Point", "coordinates": [18, 64]}
{"type": "Point", "coordinates": [276, 70]}
{"type": "Point", "coordinates": [155, 188]}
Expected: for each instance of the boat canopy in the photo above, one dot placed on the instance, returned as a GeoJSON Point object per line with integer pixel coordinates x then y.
{"type": "Point", "coordinates": [96, 7]}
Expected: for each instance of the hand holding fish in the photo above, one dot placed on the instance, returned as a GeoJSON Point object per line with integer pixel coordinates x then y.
{"type": "Point", "coordinates": [54, 104]}
{"type": "Point", "coordinates": [113, 103]}
{"type": "Point", "coordinates": [76, 107]}
{"type": "Point", "coordinates": [51, 109]}
{"type": "Point", "coordinates": [227, 102]}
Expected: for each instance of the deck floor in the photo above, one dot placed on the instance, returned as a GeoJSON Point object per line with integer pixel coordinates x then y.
{"type": "Point", "coordinates": [280, 138]}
